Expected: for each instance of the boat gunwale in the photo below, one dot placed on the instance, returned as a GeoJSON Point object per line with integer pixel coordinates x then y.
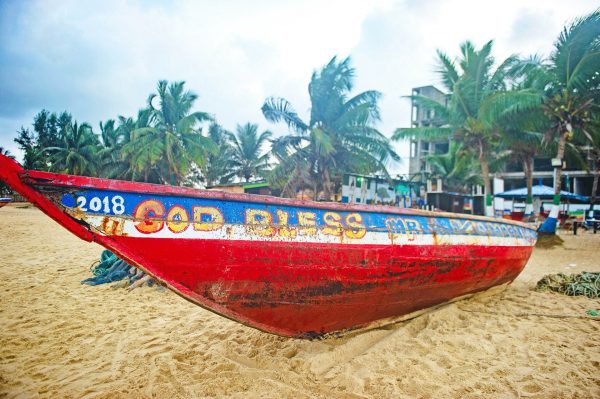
{"type": "Point", "coordinates": [63, 180]}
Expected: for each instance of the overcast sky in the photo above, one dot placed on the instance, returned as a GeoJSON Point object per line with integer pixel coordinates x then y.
{"type": "Point", "coordinates": [101, 59]}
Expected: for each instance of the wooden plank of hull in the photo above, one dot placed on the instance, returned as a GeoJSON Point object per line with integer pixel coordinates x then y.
{"type": "Point", "coordinates": [312, 289]}
{"type": "Point", "coordinates": [291, 268]}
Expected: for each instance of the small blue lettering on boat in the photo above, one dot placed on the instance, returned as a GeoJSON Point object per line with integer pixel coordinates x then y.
{"type": "Point", "coordinates": [407, 227]}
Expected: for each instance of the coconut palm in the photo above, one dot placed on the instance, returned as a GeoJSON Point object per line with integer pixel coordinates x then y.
{"type": "Point", "coordinates": [126, 167]}
{"type": "Point", "coordinates": [571, 81]}
{"type": "Point", "coordinates": [248, 159]}
{"type": "Point", "coordinates": [217, 169]}
{"type": "Point", "coordinates": [478, 97]}
{"type": "Point", "coordinates": [109, 155]}
{"type": "Point", "coordinates": [458, 168]}
{"type": "Point", "coordinates": [76, 152]}
{"type": "Point", "coordinates": [340, 136]}
{"type": "Point", "coordinates": [172, 144]}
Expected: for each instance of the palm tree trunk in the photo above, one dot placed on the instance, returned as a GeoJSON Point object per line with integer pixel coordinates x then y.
{"type": "Point", "coordinates": [528, 169]}
{"type": "Point", "coordinates": [485, 173]}
{"type": "Point", "coordinates": [562, 141]}
{"type": "Point", "coordinates": [595, 182]}
{"type": "Point", "coordinates": [550, 224]}
{"type": "Point", "coordinates": [326, 185]}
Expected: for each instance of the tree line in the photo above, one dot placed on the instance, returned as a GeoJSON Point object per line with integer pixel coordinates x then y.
{"type": "Point", "coordinates": [168, 143]}
{"type": "Point", "coordinates": [493, 114]}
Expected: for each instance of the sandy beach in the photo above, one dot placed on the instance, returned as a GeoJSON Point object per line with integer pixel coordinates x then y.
{"type": "Point", "coordinates": [61, 339]}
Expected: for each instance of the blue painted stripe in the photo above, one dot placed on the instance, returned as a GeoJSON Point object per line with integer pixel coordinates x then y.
{"type": "Point", "coordinates": [234, 213]}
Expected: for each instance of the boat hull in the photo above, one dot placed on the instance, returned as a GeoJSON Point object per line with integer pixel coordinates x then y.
{"type": "Point", "coordinates": [293, 268]}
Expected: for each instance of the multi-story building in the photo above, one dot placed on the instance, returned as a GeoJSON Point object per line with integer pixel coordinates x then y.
{"type": "Point", "coordinates": [418, 167]}
{"type": "Point", "coordinates": [574, 178]}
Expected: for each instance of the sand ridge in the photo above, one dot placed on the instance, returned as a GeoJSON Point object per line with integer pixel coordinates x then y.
{"type": "Point", "coordinates": [59, 338]}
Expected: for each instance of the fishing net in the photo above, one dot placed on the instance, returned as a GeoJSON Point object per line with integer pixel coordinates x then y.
{"type": "Point", "coordinates": [108, 270]}
{"type": "Point", "coordinates": [585, 283]}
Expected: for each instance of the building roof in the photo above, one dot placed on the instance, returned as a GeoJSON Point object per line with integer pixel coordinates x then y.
{"type": "Point", "coordinates": [244, 185]}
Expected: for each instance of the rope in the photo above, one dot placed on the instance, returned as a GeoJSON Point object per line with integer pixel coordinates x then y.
{"type": "Point", "coordinates": [524, 314]}
{"type": "Point", "coordinates": [585, 283]}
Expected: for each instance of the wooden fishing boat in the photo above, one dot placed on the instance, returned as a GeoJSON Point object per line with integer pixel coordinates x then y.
{"type": "Point", "coordinates": [292, 268]}
{"type": "Point", "coordinates": [4, 201]}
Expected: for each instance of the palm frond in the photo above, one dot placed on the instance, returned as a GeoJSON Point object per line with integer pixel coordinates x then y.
{"type": "Point", "coordinates": [279, 109]}
{"type": "Point", "coordinates": [425, 133]}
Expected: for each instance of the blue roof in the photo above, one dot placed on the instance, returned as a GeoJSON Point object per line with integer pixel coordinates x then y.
{"type": "Point", "coordinates": [541, 191]}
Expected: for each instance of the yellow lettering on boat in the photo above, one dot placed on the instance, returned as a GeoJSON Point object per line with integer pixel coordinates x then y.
{"type": "Point", "coordinates": [283, 228]}
{"type": "Point", "coordinates": [355, 227]}
{"type": "Point", "coordinates": [112, 226]}
{"type": "Point", "coordinates": [148, 216]}
{"type": "Point", "coordinates": [333, 224]}
{"type": "Point", "coordinates": [177, 219]}
{"type": "Point", "coordinates": [259, 222]}
{"type": "Point", "coordinates": [207, 218]}
{"type": "Point", "coordinates": [308, 223]}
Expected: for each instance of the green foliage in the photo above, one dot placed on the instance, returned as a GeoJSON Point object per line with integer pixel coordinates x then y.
{"type": "Point", "coordinates": [171, 145]}
{"type": "Point", "coordinates": [518, 108]}
{"type": "Point", "coordinates": [76, 151]}
{"type": "Point", "coordinates": [48, 131]}
{"type": "Point", "coordinates": [458, 168]}
{"type": "Point", "coordinates": [217, 169]}
{"type": "Point", "coordinates": [4, 188]}
{"type": "Point", "coordinates": [247, 158]}
{"type": "Point", "coordinates": [479, 97]}
{"type": "Point", "coordinates": [569, 84]}
{"type": "Point", "coordinates": [339, 138]}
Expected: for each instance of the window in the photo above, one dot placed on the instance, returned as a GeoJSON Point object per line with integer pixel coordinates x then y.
{"type": "Point", "coordinates": [442, 148]}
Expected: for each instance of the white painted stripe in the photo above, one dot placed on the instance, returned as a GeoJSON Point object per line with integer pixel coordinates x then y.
{"type": "Point", "coordinates": [244, 233]}
{"type": "Point", "coordinates": [554, 212]}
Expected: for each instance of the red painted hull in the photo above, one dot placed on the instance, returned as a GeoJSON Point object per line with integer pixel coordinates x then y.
{"type": "Point", "coordinates": [310, 290]}
{"type": "Point", "coordinates": [306, 284]}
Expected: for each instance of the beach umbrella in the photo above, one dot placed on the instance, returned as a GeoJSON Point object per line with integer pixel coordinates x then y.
{"type": "Point", "coordinates": [541, 191]}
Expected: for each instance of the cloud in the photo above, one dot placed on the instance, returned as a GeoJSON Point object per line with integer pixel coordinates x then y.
{"type": "Point", "coordinates": [99, 60]}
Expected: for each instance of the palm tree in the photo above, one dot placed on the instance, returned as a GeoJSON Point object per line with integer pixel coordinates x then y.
{"type": "Point", "coordinates": [248, 161]}
{"type": "Point", "coordinates": [217, 168]}
{"type": "Point", "coordinates": [126, 167]}
{"type": "Point", "coordinates": [77, 151]}
{"type": "Point", "coordinates": [479, 96]}
{"type": "Point", "coordinates": [109, 155]}
{"type": "Point", "coordinates": [458, 168]}
{"type": "Point", "coordinates": [340, 136]}
{"type": "Point", "coordinates": [571, 81]}
{"type": "Point", "coordinates": [172, 144]}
